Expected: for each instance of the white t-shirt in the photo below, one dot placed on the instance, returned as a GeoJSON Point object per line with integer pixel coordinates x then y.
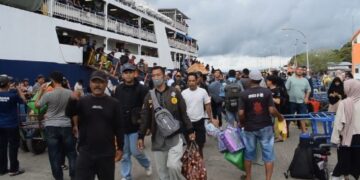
{"type": "Point", "coordinates": [170, 82]}
{"type": "Point", "coordinates": [195, 101]}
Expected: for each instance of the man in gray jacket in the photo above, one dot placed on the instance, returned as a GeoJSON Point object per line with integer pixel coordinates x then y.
{"type": "Point", "coordinates": [167, 150]}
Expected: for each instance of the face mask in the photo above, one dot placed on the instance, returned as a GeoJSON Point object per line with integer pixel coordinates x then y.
{"type": "Point", "coordinates": [158, 82]}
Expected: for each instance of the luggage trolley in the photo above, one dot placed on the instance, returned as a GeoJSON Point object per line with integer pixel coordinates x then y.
{"type": "Point", "coordinates": [326, 118]}
{"type": "Point", "coordinates": [32, 136]}
{"type": "Point", "coordinates": [318, 141]}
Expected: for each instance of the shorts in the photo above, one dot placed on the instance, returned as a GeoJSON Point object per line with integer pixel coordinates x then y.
{"type": "Point", "coordinates": [265, 136]}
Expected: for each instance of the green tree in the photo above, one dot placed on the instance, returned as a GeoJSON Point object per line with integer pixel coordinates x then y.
{"type": "Point", "coordinates": [319, 59]}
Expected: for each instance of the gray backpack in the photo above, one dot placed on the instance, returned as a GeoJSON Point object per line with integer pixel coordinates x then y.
{"type": "Point", "coordinates": [232, 96]}
{"type": "Point", "coordinates": [166, 123]}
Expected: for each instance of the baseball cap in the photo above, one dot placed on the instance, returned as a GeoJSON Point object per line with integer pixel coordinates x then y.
{"type": "Point", "coordinates": [98, 75]}
{"type": "Point", "coordinates": [128, 66]}
{"type": "Point", "coordinates": [4, 80]}
{"type": "Point", "coordinates": [255, 75]}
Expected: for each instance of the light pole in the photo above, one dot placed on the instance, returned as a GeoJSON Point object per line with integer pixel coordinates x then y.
{"type": "Point", "coordinates": [306, 44]}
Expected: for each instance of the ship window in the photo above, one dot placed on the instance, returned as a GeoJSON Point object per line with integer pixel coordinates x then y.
{"type": "Point", "coordinates": [356, 70]}
{"type": "Point", "coordinates": [149, 51]}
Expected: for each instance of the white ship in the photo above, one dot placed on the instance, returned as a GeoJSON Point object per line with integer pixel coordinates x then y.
{"type": "Point", "coordinates": [37, 36]}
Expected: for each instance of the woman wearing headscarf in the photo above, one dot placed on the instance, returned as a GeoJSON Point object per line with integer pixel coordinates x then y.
{"type": "Point", "coordinates": [335, 94]}
{"type": "Point", "coordinates": [346, 132]}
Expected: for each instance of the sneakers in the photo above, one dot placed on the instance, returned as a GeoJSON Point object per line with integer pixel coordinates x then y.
{"type": "Point", "coordinates": [20, 171]}
{"type": "Point", "coordinates": [148, 171]}
{"type": "Point", "coordinates": [64, 167]}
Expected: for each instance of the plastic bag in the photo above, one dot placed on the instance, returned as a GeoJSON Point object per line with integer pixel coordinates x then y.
{"type": "Point", "coordinates": [231, 139]}
{"type": "Point", "coordinates": [280, 129]}
{"type": "Point", "coordinates": [31, 105]}
{"type": "Point", "coordinates": [193, 167]}
{"type": "Point", "coordinates": [211, 129]}
{"type": "Point", "coordinates": [221, 146]}
{"type": "Point", "coordinates": [236, 159]}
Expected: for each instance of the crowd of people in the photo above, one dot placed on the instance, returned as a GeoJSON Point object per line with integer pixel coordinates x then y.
{"type": "Point", "coordinates": [94, 126]}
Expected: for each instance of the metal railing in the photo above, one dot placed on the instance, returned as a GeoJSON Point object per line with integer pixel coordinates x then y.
{"type": "Point", "coordinates": [72, 13]}
{"type": "Point", "coordinates": [193, 49]}
{"type": "Point", "coordinates": [180, 45]}
{"type": "Point", "coordinates": [180, 26]}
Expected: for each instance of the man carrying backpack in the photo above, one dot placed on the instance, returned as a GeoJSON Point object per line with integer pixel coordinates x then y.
{"type": "Point", "coordinates": [164, 113]}
{"type": "Point", "coordinates": [232, 90]}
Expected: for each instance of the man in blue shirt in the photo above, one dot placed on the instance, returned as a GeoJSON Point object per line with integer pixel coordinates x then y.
{"type": "Point", "coordinates": [9, 127]}
{"type": "Point", "coordinates": [231, 94]}
{"type": "Point", "coordinates": [216, 99]}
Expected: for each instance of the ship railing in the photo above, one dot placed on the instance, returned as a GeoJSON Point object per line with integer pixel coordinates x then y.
{"type": "Point", "coordinates": [123, 28]}
{"type": "Point", "coordinates": [172, 43]}
{"type": "Point", "coordinates": [135, 32]}
{"type": "Point", "coordinates": [193, 49]}
{"type": "Point", "coordinates": [113, 25]}
{"type": "Point", "coordinates": [70, 12]}
{"type": "Point", "coordinates": [181, 26]}
{"type": "Point", "coordinates": [182, 46]}
{"type": "Point", "coordinates": [146, 35]}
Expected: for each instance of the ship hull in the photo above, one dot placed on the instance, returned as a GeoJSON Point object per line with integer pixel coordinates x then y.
{"type": "Point", "coordinates": [20, 69]}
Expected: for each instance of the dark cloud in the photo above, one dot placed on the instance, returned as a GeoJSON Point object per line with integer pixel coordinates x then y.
{"type": "Point", "coordinates": [253, 27]}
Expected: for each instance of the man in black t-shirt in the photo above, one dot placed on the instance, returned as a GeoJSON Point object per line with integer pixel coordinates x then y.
{"type": "Point", "coordinates": [99, 122]}
{"type": "Point", "coordinates": [130, 95]}
{"type": "Point", "coordinates": [256, 107]}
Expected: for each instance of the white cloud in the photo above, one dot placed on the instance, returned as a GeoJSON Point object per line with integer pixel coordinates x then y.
{"type": "Point", "coordinates": [238, 62]}
{"type": "Point", "coordinates": [253, 27]}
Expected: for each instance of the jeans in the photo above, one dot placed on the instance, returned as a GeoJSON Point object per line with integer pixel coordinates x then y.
{"type": "Point", "coordinates": [217, 111]}
{"type": "Point", "coordinates": [130, 148]}
{"type": "Point", "coordinates": [9, 138]}
{"type": "Point", "coordinates": [168, 163]}
{"type": "Point", "coordinates": [231, 117]}
{"type": "Point", "coordinates": [265, 137]}
{"type": "Point", "coordinates": [88, 165]}
{"type": "Point", "coordinates": [59, 138]}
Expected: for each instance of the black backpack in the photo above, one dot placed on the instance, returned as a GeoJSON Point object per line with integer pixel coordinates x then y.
{"type": "Point", "coordinates": [305, 163]}
{"type": "Point", "coordinates": [302, 164]}
{"type": "Point", "coordinates": [232, 96]}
